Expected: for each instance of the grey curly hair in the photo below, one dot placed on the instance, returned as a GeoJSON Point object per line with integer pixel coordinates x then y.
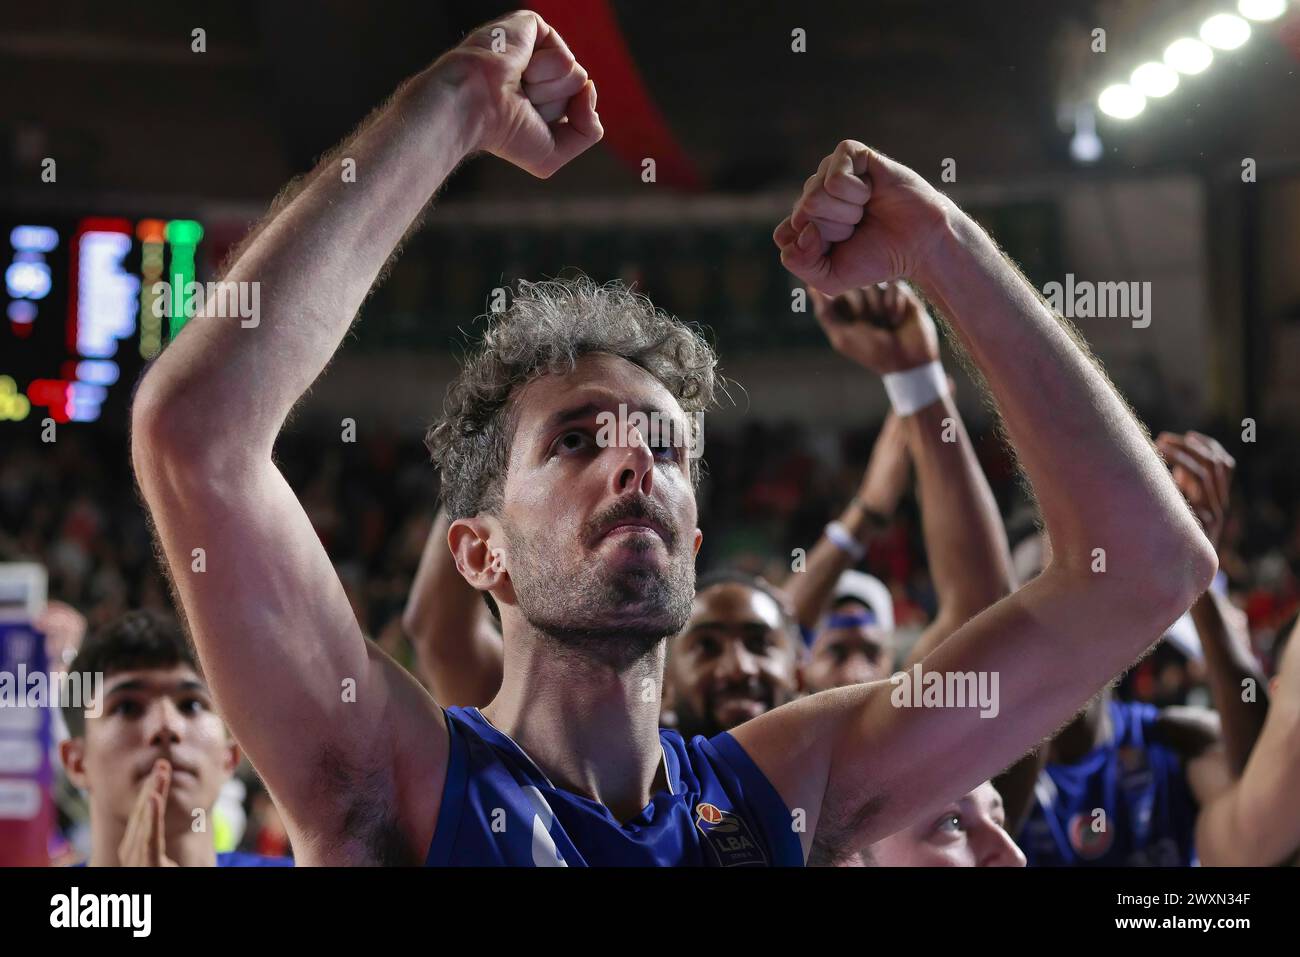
{"type": "Point", "coordinates": [546, 329]}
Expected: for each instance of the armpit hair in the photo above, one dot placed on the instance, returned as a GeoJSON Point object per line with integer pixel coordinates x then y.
{"type": "Point", "coordinates": [366, 830]}
{"type": "Point", "coordinates": [835, 839]}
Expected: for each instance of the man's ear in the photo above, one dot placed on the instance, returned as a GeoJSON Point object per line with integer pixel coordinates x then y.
{"type": "Point", "coordinates": [699, 540]}
{"type": "Point", "coordinates": [72, 752]}
{"type": "Point", "coordinates": [475, 547]}
{"type": "Point", "coordinates": [232, 757]}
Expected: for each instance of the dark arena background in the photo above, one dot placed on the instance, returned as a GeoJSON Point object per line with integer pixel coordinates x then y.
{"type": "Point", "coordinates": [1138, 161]}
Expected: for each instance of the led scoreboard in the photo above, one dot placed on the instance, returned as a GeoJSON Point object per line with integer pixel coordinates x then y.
{"type": "Point", "coordinates": [86, 303]}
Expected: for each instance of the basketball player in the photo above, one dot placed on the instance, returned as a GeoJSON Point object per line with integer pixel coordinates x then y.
{"type": "Point", "coordinates": [154, 756]}
{"type": "Point", "coordinates": [734, 645]}
{"type": "Point", "coordinates": [587, 547]}
{"type": "Point", "coordinates": [1123, 782]}
{"type": "Point", "coordinates": [1256, 822]}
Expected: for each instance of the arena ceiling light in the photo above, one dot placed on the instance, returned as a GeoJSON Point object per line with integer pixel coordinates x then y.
{"type": "Point", "coordinates": [1154, 79]}
{"type": "Point", "coordinates": [1187, 56]}
{"type": "Point", "coordinates": [1225, 31]}
{"type": "Point", "coordinates": [1261, 10]}
{"type": "Point", "coordinates": [1121, 101]}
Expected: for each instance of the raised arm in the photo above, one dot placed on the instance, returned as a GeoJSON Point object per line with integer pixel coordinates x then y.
{"type": "Point", "coordinates": [458, 651]}
{"type": "Point", "coordinates": [1128, 556]}
{"type": "Point", "coordinates": [352, 749]}
{"type": "Point", "coordinates": [1256, 821]}
{"type": "Point", "coordinates": [965, 543]}
{"type": "Point", "coordinates": [883, 484]}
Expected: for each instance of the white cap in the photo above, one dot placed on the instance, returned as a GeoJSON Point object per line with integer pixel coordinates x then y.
{"type": "Point", "coordinates": [869, 590]}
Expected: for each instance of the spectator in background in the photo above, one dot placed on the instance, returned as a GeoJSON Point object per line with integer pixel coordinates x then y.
{"type": "Point", "coordinates": [738, 657]}
{"type": "Point", "coordinates": [854, 642]}
{"type": "Point", "coordinates": [153, 755]}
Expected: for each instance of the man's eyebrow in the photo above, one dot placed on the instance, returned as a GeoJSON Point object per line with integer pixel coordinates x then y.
{"type": "Point", "coordinates": [589, 409]}
{"type": "Point", "coordinates": [584, 411]}
{"type": "Point", "coordinates": [144, 684]}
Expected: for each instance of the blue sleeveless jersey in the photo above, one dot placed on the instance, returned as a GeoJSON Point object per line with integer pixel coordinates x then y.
{"type": "Point", "coordinates": [241, 859]}
{"type": "Point", "coordinates": [498, 808]}
{"type": "Point", "coordinates": [1150, 818]}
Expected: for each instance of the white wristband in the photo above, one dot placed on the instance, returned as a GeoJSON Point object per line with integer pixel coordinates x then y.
{"type": "Point", "coordinates": [914, 389]}
{"type": "Point", "coordinates": [843, 539]}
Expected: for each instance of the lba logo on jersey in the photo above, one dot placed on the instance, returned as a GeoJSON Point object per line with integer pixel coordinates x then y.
{"type": "Point", "coordinates": [729, 836]}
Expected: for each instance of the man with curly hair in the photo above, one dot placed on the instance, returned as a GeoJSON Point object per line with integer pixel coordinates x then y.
{"type": "Point", "coordinates": [586, 545]}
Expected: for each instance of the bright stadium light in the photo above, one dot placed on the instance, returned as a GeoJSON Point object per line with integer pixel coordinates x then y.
{"type": "Point", "coordinates": [1225, 31]}
{"type": "Point", "coordinates": [1121, 101]}
{"type": "Point", "coordinates": [1261, 10]}
{"type": "Point", "coordinates": [1154, 79]}
{"type": "Point", "coordinates": [1188, 56]}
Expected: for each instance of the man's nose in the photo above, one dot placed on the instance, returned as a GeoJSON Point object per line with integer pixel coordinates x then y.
{"type": "Point", "coordinates": [634, 466]}
{"type": "Point", "coordinates": [997, 849]}
{"type": "Point", "coordinates": [164, 723]}
{"type": "Point", "coordinates": [736, 662]}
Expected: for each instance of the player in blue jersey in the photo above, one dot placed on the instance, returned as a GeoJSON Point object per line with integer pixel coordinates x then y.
{"type": "Point", "coordinates": [738, 656]}
{"type": "Point", "coordinates": [1124, 782]}
{"type": "Point", "coordinates": [585, 537]}
{"type": "Point", "coordinates": [151, 754]}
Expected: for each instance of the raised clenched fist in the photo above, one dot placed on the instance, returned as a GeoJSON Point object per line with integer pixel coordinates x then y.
{"type": "Point", "coordinates": [1202, 470]}
{"type": "Point", "coordinates": [861, 219]}
{"type": "Point", "coordinates": [884, 327]}
{"type": "Point", "coordinates": [536, 103]}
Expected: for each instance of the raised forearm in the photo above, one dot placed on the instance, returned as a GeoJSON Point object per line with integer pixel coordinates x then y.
{"type": "Point", "coordinates": [810, 589]}
{"type": "Point", "coordinates": [1232, 669]}
{"type": "Point", "coordinates": [1098, 480]}
{"type": "Point", "coordinates": [965, 543]}
{"type": "Point", "coordinates": [314, 263]}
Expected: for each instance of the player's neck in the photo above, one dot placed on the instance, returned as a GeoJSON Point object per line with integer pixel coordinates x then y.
{"type": "Point", "coordinates": [590, 728]}
{"type": "Point", "coordinates": [186, 847]}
